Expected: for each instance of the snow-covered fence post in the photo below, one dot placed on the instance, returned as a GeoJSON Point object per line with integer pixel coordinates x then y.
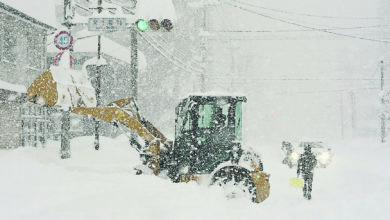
{"type": "Point", "coordinates": [65, 137]}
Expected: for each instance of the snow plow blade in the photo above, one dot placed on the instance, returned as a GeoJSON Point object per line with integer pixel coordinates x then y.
{"type": "Point", "coordinates": [69, 89]}
{"type": "Point", "coordinates": [62, 88]}
{"type": "Point", "coordinates": [261, 181]}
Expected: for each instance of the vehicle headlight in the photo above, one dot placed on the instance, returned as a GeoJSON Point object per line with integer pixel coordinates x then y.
{"type": "Point", "coordinates": [294, 156]}
{"type": "Point", "coordinates": [324, 157]}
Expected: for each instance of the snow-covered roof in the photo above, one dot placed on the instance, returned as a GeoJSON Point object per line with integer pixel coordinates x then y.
{"type": "Point", "coordinates": [45, 10]}
{"type": "Point", "coordinates": [158, 9]}
{"type": "Point", "coordinates": [12, 87]}
{"type": "Point", "coordinates": [108, 46]}
{"type": "Point", "coordinates": [89, 44]}
{"type": "Point", "coordinates": [41, 10]}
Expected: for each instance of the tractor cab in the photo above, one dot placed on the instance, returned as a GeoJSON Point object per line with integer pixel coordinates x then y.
{"type": "Point", "coordinates": [208, 132]}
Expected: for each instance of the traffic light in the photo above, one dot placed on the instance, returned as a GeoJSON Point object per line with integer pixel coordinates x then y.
{"type": "Point", "coordinates": [154, 25]}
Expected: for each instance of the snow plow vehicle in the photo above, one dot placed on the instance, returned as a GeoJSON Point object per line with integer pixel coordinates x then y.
{"type": "Point", "coordinates": [208, 134]}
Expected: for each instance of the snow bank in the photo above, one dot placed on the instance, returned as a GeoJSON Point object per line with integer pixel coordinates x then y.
{"type": "Point", "coordinates": [12, 87]}
{"type": "Point", "coordinates": [101, 185]}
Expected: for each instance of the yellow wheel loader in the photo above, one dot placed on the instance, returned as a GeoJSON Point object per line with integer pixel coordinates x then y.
{"type": "Point", "coordinates": [208, 134]}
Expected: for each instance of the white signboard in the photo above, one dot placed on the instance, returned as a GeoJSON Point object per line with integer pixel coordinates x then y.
{"type": "Point", "coordinates": [107, 24]}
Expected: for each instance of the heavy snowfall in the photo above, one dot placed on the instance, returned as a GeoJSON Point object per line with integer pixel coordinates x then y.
{"type": "Point", "coordinates": [213, 84]}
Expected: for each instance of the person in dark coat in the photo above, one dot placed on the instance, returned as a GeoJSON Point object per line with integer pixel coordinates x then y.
{"type": "Point", "coordinates": [306, 163]}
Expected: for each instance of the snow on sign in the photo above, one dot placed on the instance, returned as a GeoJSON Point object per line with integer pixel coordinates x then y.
{"type": "Point", "coordinates": [63, 40]}
{"type": "Point", "coordinates": [107, 24]}
{"type": "Point", "coordinates": [57, 59]}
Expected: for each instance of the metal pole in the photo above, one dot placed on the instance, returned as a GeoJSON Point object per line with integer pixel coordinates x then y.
{"type": "Point", "coordinates": [342, 114]}
{"type": "Point", "coordinates": [134, 62]}
{"type": "Point", "coordinates": [353, 112]}
{"type": "Point", "coordinates": [203, 51]}
{"type": "Point", "coordinates": [65, 137]}
{"type": "Point", "coordinates": [98, 76]}
{"type": "Point", "coordinates": [383, 118]}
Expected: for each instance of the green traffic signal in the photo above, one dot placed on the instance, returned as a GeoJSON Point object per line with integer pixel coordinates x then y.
{"type": "Point", "coordinates": [153, 24]}
{"type": "Point", "coordinates": [142, 25]}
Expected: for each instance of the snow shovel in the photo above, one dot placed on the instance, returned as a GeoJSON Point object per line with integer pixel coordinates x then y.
{"type": "Point", "coordinates": [296, 182]}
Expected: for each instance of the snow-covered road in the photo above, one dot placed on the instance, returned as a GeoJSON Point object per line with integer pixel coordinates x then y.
{"type": "Point", "coordinates": [37, 184]}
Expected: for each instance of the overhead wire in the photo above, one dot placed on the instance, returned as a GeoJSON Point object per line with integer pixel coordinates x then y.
{"type": "Point", "coordinates": [172, 57]}
{"type": "Point", "coordinates": [301, 30]}
{"type": "Point", "coordinates": [177, 51]}
{"type": "Point", "coordinates": [307, 79]}
{"type": "Point", "coordinates": [301, 25]}
{"type": "Point", "coordinates": [310, 15]}
{"type": "Point", "coordinates": [166, 56]}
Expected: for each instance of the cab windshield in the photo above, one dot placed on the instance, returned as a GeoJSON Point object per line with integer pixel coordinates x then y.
{"type": "Point", "coordinates": [212, 115]}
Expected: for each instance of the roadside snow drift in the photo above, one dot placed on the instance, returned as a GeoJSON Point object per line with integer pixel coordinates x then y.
{"type": "Point", "coordinates": [37, 184]}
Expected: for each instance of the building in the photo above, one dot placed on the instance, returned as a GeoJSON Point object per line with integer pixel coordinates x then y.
{"type": "Point", "coordinates": [23, 46]}
{"type": "Point", "coordinates": [22, 59]}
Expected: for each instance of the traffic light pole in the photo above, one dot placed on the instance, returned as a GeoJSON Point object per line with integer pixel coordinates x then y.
{"type": "Point", "coordinates": [98, 77]}
{"type": "Point", "coordinates": [134, 62]}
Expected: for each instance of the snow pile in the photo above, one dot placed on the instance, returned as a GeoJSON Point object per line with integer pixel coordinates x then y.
{"type": "Point", "coordinates": [72, 86]}
{"type": "Point", "coordinates": [101, 185]}
{"type": "Point", "coordinates": [12, 87]}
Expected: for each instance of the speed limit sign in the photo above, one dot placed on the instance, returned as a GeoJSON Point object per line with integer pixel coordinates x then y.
{"type": "Point", "coordinates": [63, 40]}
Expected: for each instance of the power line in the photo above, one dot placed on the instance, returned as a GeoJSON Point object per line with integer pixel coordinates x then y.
{"type": "Point", "coordinates": [300, 30]}
{"type": "Point", "coordinates": [304, 79]}
{"type": "Point", "coordinates": [310, 15]}
{"type": "Point", "coordinates": [166, 56]}
{"type": "Point", "coordinates": [198, 66]}
{"type": "Point", "coordinates": [314, 91]}
{"type": "Point", "coordinates": [304, 26]}
{"type": "Point", "coordinates": [172, 57]}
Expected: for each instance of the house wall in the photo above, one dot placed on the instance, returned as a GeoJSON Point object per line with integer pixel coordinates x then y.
{"type": "Point", "coordinates": [10, 105]}
{"type": "Point", "coordinates": [22, 59]}
{"type": "Point", "coordinates": [22, 49]}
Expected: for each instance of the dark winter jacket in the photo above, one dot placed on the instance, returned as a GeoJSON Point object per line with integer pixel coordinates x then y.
{"type": "Point", "coordinates": [306, 163]}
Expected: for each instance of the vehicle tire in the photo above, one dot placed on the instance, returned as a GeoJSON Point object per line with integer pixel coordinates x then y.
{"type": "Point", "coordinates": [236, 183]}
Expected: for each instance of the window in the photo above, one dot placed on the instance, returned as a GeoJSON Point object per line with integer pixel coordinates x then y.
{"type": "Point", "coordinates": [34, 51]}
{"type": "Point", "coordinates": [238, 122]}
{"type": "Point", "coordinates": [205, 116]}
{"type": "Point", "coordinates": [188, 122]}
{"type": "Point", "coordinates": [1, 45]}
{"type": "Point", "coordinates": [1, 35]}
{"type": "Point", "coordinates": [9, 46]}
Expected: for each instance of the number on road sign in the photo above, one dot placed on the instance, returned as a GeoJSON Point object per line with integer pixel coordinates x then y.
{"type": "Point", "coordinates": [63, 40]}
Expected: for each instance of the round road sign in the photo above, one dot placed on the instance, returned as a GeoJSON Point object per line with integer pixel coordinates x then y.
{"type": "Point", "coordinates": [63, 40]}
{"type": "Point", "coordinates": [57, 59]}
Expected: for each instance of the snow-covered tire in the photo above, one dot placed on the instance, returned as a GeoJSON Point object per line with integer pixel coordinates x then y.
{"type": "Point", "coordinates": [236, 182]}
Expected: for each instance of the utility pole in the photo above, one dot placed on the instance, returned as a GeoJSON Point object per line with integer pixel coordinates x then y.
{"type": "Point", "coordinates": [65, 118]}
{"type": "Point", "coordinates": [203, 51]}
{"type": "Point", "coordinates": [383, 118]}
{"type": "Point", "coordinates": [353, 112]}
{"type": "Point", "coordinates": [134, 62]}
{"type": "Point", "coordinates": [98, 79]}
{"type": "Point", "coordinates": [342, 114]}
{"type": "Point", "coordinates": [98, 76]}
{"type": "Point", "coordinates": [65, 137]}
